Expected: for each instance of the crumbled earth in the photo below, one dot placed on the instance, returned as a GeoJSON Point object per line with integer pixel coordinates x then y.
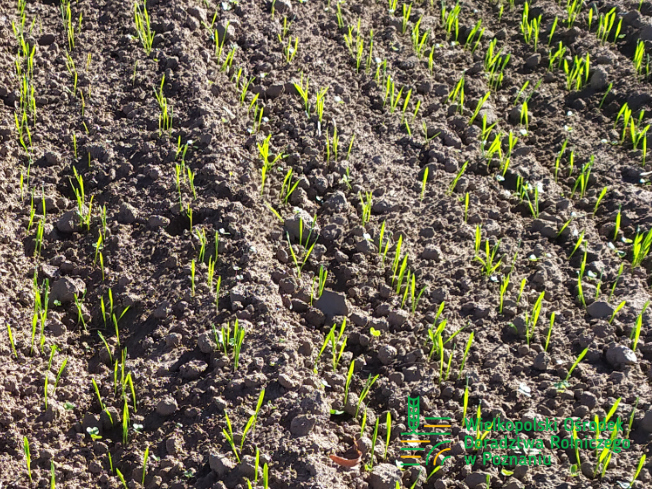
{"type": "Point", "coordinates": [149, 219]}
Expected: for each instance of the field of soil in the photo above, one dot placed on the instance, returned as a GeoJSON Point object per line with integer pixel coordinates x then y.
{"type": "Point", "coordinates": [237, 237]}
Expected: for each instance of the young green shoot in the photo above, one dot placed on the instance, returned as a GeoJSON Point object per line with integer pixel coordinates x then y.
{"type": "Point", "coordinates": [552, 323]}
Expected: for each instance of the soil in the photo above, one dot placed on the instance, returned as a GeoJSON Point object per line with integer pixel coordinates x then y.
{"type": "Point", "coordinates": [157, 194]}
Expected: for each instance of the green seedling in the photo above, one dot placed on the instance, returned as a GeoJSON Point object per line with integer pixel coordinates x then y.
{"type": "Point", "coordinates": [580, 290]}
{"type": "Point", "coordinates": [145, 457]}
{"type": "Point", "coordinates": [370, 465]}
{"type": "Point", "coordinates": [251, 424]}
{"type": "Point", "coordinates": [600, 197]}
{"type": "Point", "coordinates": [478, 107]}
{"type": "Point", "coordinates": [617, 224]}
{"type": "Point", "coordinates": [234, 341]}
{"type": "Point", "coordinates": [552, 323]}
{"type": "Point", "coordinates": [503, 289]}
{"type": "Point", "coordinates": [466, 352]}
{"type": "Point", "coordinates": [424, 180]}
{"type": "Point", "coordinates": [466, 207]}
{"type": "Point", "coordinates": [407, 10]}
{"type": "Point", "coordinates": [641, 247]}
{"type": "Point", "coordinates": [290, 50]}
{"type": "Point", "coordinates": [581, 356]}
{"type": "Point", "coordinates": [616, 310]}
{"type": "Point", "coordinates": [349, 376]}
{"type": "Point", "coordinates": [639, 467]}
{"type": "Point", "coordinates": [125, 422]}
{"type": "Point", "coordinates": [122, 478]}
{"type": "Point", "coordinates": [636, 332]}
{"type": "Point", "coordinates": [552, 30]}
{"type": "Point", "coordinates": [476, 31]}
{"type": "Point", "coordinates": [365, 392]}
{"type": "Point", "coordinates": [143, 28]}
{"type": "Point", "coordinates": [388, 425]}
{"type": "Point", "coordinates": [577, 74]}
{"type": "Point", "coordinates": [573, 8]}
{"type": "Point", "coordinates": [366, 208]}
{"type": "Point", "coordinates": [457, 95]}
{"type": "Point", "coordinates": [450, 20]}
{"type": "Point", "coordinates": [533, 318]}
{"type": "Point", "coordinates": [453, 184]}
{"type": "Point", "coordinates": [641, 61]}
{"type": "Point", "coordinates": [530, 28]}
{"type": "Point", "coordinates": [489, 263]}
{"type": "Point", "coordinates": [28, 458]}
{"type": "Point", "coordinates": [520, 291]}
{"type": "Point", "coordinates": [11, 341]}
{"type": "Point", "coordinates": [299, 266]}
{"type": "Point", "coordinates": [605, 25]}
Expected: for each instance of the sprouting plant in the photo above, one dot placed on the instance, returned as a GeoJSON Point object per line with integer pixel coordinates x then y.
{"type": "Point", "coordinates": [121, 477]}
{"type": "Point", "coordinates": [476, 31]}
{"type": "Point", "coordinates": [530, 28]}
{"type": "Point", "coordinates": [407, 10]}
{"type": "Point", "coordinates": [337, 348]}
{"type": "Point", "coordinates": [641, 61]}
{"type": "Point", "coordinates": [639, 467]}
{"type": "Point", "coordinates": [288, 188]}
{"type": "Point", "coordinates": [636, 332]}
{"type": "Point", "coordinates": [489, 263]}
{"type": "Point", "coordinates": [605, 94]}
{"type": "Point", "coordinates": [605, 25]}
{"type": "Point", "coordinates": [466, 206]}
{"type": "Point", "coordinates": [453, 184]}
{"type": "Point", "coordinates": [333, 143]}
{"type": "Point", "coordinates": [520, 290]}
{"type": "Point", "coordinates": [457, 95]}
{"type": "Point", "coordinates": [494, 64]}
{"type": "Point", "coordinates": [478, 107]}
{"type": "Point", "coordinates": [600, 197]}
{"type": "Point", "coordinates": [563, 384]}
{"type": "Point", "coordinates": [366, 204]}
{"type": "Point", "coordinates": [424, 180]}
{"type": "Point", "coordinates": [616, 310]}
{"type": "Point", "coordinates": [582, 180]}
{"type": "Point", "coordinates": [302, 90]}
{"type": "Point", "coordinates": [125, 422]}
{"type": "Point", "coordinates": [349, 376]}
{"type": "Point", "coordinates": [143, 28]}
{"type": "Point", "coordinates": [552, 323]}
{"type": "Point", "coordinates": [268, 162]}
{"type": "Point", "coordinates": [556, 57]}
{"type": "Point", "coordinates": [641, 247]}
{"type": "Point", "coordinates": [289, 50]}
{"type": "Point", "coordinates": [577, 74]}
{"type": "Point", "coordinates": [450, 20]}
{"type": "Point", "coordinates": [388, 427]}
{"type": "Point", "coordinates": [503, 289]}
{"type": "Point", "coordinates": [28, 457]}
{"type": "Point", "coordinates": [145, 457]}
{"type": "Point", "coordinates": [165, 117]}
{"type": "Point", "coordinates": [365, 392]}
{"type": "Point", "coordinates": [524, 115]}
{"type": "Point", "coordinates": [227, 339]}
{"type": "Point", "coordinates": [466, 352]}
{"type": "Point", "coordinates": [533, 318]}
{"type": "Point", "coordinates": [308, 251]}
{"type": "Point", "coordinates": [552, 30]}
{"type": "Point", "coordinates": [11, 341]}
{"type": "Point", "coordinates": [617, 224]}
{"type": "Point", "coordinates": [573, 8]}
{"type": "Point", "coordinates": [370, 465]}
{"type": "Point", "coordinates": [580, 290]}
{"type": "Point", "coordinates": [251, 424]}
